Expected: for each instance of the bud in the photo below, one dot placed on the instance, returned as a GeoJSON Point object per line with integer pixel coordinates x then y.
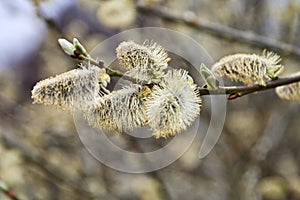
{"type": "Point", "coordinates": [67, 46]}
{"type": "Point", "coordinates": [3, 186]}
{"type": "Point", "coordinates": [209, 77]}
{"type": "Point", "coordinates": [249, 68]}
{"type": "Point", "coordinates": [145, 62]}
{"type": "Point", "coordinates": [173, 104]}
{"type": "Point", "coordinates": [79, 47]}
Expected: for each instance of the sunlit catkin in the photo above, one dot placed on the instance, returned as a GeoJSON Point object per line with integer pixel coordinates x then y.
{"type": "Point", "coordinates": [249, 68]}
{"type": "Point", "coordinates": [289, 92]}
{"type": "Point", "coordinates": [173, 104]}
{"type": "Point", "coordinates": [145, 62]}
{"type": "Point", "coordinates": [121, 110]}
{"type": "Point", "coordinates": [76, 88]}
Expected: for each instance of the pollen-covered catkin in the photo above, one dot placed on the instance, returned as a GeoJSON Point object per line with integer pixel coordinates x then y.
{"type": "Point", "coordinates": [173, 104]}
{"type": "Point", "coordinates": [120, 110]}
{"type": "Point", "coordinates": [249, 68]}
{"type": "Point", "coordinates": [76, 88]}
{"type": "Point", "coordinates": [145, 62]}
{"type": "Point", "coordinates": [290, 92]}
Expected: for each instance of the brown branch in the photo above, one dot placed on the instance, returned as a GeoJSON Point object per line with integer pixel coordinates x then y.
{"type": "Point", "coordinates": [109, 71]}
{"type": "Point", "coordinates": [238, 91]}
{"type": "Point", "coordinates": [219, 30]}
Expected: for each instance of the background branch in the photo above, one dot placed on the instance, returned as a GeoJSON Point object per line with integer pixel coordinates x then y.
{"type": "Point", "coordinates": [219, 30]}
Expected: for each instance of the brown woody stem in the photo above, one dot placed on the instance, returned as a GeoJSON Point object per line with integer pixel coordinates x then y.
{"type": "Point", "coordinates": [238, 91]}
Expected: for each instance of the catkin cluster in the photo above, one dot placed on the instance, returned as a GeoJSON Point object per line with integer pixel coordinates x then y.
{"type": "Point", "coordinates": [166, 100]}
{"type": "Point", "coordinates": [249, 68]}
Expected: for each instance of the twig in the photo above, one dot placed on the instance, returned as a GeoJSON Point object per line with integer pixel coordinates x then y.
{"type": "Point", "coordinates": [7, 191]}
{"type": "Point", "coordinates": [219, 30]}
{"type": "Point", "coordinates": [100, 64]}
{"type": "Point", "coordinates": [109, 71]}
{"type": "Point", "coordinates": [238, 91]}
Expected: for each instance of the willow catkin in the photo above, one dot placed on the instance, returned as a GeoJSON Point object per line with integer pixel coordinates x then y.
{"type": "Point", "coordinates": [248, 68]}
{"type": "Point", "coordinates": [78, 88]}
{"type": "Point", "coordinates": [145, 62]}
{"type": "Point", "coordinates": [173, 104]}
{"type": "Point", "coordinates": [120, 110]}
{"type": "Point", "coordinates": [290, 92]}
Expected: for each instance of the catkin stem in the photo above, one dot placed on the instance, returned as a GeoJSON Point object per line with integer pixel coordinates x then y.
{"type": "Point", "coordinates": [109, 71]}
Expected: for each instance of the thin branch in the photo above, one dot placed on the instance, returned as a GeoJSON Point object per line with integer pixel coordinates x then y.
{"type": "Point", "coordinates": [109, 71]}
{"type": "Point", "coordinates": [219, 30]}
{"type": "Point", "coordinates": [238, 91]}
{"type": "Point", "coordinates": [100, 64]}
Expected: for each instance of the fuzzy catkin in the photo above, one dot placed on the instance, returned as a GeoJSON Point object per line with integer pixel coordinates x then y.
{"type": "Point", "coordinates": [246, 68]}
{"type": "Point", "coordinates": [173, 104]}
{"type": "Point", "coordinates": [145, 62]}
{"type": "Point", "coordinates": [76, 88]}
{"type": "Point", "coordinates": [121, 110]}
{"type": "Point", "coordinates": [290, 92]}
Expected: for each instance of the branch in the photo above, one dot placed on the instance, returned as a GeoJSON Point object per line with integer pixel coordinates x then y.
{"type": "Point", "coordinates": [219, 30]}
{"type": "Point", "coordinates": [238, 91]}
{"type": "Point", "coordinates": [109, 71]}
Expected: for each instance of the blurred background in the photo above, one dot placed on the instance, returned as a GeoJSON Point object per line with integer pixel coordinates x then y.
{"type": "Point", "coordinates": [41, 156]}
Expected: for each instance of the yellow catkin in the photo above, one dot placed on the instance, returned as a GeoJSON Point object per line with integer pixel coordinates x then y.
{"type": "Point", "coordinates": [290, 92]}
{"type": "Point", "coordinates": [121, 110]}
{"type": "Point", "coordinates": [145, 62]}
{"type": "Point", "coordinates": [246, 68]}
{"type": "Point", "coordinates": [173, 104]}
{"type": "Point", "coordinates": [76, 88]}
